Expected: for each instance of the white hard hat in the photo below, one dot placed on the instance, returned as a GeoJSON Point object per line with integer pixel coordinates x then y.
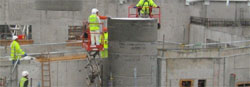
{"type": "Point", "coordinates": [25, 73]}
{"type": "Point", "coordinates": [94, 11]}
{"type": "Point", "coordinates": [14, 37]}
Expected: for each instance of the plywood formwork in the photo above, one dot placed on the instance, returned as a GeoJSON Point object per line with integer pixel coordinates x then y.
{"type": "Point", "coordinates": [21, 42]}
{"type": "Point", "coordinates": [63, 58]}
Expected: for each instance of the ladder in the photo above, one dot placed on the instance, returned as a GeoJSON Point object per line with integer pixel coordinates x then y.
{"type": "Point", "coordinates": [46, 79]}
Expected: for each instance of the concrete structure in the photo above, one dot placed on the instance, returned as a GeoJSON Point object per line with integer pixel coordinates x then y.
{"type": "Point", "coordinates": [132, 52]}
{"type": "Point", "coordinates": [55, 19]}
{"type": "Point", "coordinates": [61, 72]}
{"type": "Point", "coordinates": [213, 65]}
{"type": "Point", "coordinates": [51, 21]}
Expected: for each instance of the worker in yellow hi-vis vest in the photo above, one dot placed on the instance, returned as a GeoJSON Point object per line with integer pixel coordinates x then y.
{"type": "Point", "coordinates": [144, 6]}
{"type": "Point", "coordinates": [104, 53]}
{"type": "Point", "coordinates": [16, 51]}
{"type": "Point", "coordinates": [94, 27]}
{"type": "Point", "coordinates": [24, 82]}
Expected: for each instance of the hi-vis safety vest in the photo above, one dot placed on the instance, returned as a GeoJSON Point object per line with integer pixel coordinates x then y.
{"type": "Point", "coordinates": [16, 51]}
{"type": "Point", "coordinates": [145, 4]}
{"type": "Point", "coordinates": [93, 18]}
{"type": "Point", "coordinates": [105, 40]}
{"type": "Point", "coordinates": [104, 53]}
{"type": "Point", "coordinates": [22, 81]}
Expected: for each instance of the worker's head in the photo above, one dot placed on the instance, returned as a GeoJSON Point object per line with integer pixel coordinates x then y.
{"type": "Point", "coordinates": [14, 38]}
{"type": "Point", "coordinates": [25, 73]}
{"type": "Point", "coordinates": [94, 11]}
{"type": "Point", "coordinates": [105, 29]}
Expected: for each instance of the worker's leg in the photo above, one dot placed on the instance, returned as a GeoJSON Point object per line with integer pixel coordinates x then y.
{"type": "Point", "coordinates": [102, 54]}
{"type": "Point", "coordinates": [97, 37]}
{"type": "Point", "coordinates": [92, 36]}
{"type": "Point", "coordinates": [14, 62]}
{"type": "Point", "coordinates": [105, 53]}
{"type": "Point", "coordinates": [150, 12]}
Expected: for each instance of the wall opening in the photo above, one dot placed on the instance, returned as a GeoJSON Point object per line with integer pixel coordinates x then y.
{"type": "Point", "coordinates": [243, 84]}
{"type": "Point", "coordinates": [7, 31]}
{"type": "Point", "coordinates": [75, 32]}
{"type": "Point", "coordinates": [201, 83]}
{"type": "Point", "coordinates": [186, 83]}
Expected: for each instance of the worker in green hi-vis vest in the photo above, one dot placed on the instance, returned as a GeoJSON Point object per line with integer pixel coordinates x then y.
{"type": "Point", "coordinates": [24, 82]}
{"type": "Point", "coordinates": [104, 53]}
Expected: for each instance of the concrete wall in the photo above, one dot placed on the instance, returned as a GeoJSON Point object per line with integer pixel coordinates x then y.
{"type": "Point", "coordinates": [219, 10]}
{"type": "Point", "coordinates": [213, 65]}
{"type": "Point", "coordinates": [200, 34]}
{"type": "Point", "coordinates": [51, 25]}
{"type": "Point", "coordinates": [194, 69]}
{"type": "Point", "coordinates": [133, 52]}
{"type": "Point", "coordinates": [235, 10]}
{"type": "Point", "coordinates": [63, 73]}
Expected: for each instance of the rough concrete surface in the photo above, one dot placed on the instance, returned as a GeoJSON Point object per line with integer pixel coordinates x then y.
{"type": "Point", "coordinates": [212, 65]}
{"type": "Point", "coordinates": [133, 58]}
{"type": "Point", "coordinates": [50, 23]}
{"type": "Point", "coordinates": [132, 30]}
{"type": "Point", "coordinates": [63, 73]}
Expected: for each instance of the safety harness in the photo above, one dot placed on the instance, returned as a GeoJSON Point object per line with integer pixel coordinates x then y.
{"type": "Point", "coordinates": [143, 6]}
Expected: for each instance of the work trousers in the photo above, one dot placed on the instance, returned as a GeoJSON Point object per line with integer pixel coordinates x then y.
{"type": "Point", "coordinates": [95, 35]}
{"type": "Point", "coordinates": [104, 53]}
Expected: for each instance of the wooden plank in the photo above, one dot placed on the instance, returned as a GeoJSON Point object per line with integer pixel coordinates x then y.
{"type": "Point", "coordinates": [21, 42]}
{"type": "Point", "coordinates": [74, 44]}
{"type": "Point", "coordinates": [63, 58]}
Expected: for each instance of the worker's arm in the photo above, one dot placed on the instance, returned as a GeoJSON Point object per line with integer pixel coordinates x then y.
{"type": "Point", "coordinates": [88, 19]}
{"type": "Point", "coordinates": [103, 17]}
{"type": "Point", "coordinates": [26, 84]}
{"type": "Point", "coordinates": [139, 3]}
{"type": "Point", "coordinates": [152, 3]}
{"type": "Point", "coordinates": [19, 50]}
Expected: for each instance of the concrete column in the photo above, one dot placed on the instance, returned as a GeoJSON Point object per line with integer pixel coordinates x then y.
{"type": "Point", "coordinates": [133, 52]}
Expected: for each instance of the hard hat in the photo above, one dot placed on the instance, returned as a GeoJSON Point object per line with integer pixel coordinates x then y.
{"type": "Point", "coordinates": [14, 37]}
{"type": "Point", "coordinates": [25, 73]}
{"type": "Point", "coordinates": [94, 11]}
{"type": "Point", "coordinates": [105, 29]}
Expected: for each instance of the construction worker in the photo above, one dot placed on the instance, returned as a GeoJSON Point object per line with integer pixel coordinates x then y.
{"type": "Point", "coordinates": [104, 53]}
{"type": "Point", "coordinates": [16, 51]}
{"type": "Point", "coordinates": [24, 81]}
{"type": "Point", "coordinates": [94, 27]}
{"type": "Point", "coordinates": [144, 7]}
